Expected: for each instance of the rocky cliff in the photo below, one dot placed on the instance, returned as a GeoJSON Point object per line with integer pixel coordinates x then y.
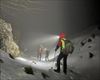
{"type": "Point", "coordinates": [7, 42]}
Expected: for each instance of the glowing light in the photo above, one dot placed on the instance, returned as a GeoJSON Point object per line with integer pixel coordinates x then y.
{"type": "Point", "coordinates": [57, 37]}
{"type": "Point", "coordinates": [22, 59]}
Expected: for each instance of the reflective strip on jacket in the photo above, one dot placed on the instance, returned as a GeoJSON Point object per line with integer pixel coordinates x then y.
{"type": "Point", "coordinates": [61, 43]}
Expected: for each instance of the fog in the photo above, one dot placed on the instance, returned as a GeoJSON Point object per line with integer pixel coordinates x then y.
{"type": "Point", "coordinates": [35, 22]}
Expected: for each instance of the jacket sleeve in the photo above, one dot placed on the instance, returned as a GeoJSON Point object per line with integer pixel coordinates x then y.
{"type": "Point", "coordinates": [58, 45]}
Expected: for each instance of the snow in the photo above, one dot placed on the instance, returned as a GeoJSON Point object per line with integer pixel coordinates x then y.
{"type": "Point", "coordinates": [80, 66]}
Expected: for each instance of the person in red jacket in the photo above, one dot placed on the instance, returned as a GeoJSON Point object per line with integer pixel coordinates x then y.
{"type": "Point", "coordinates": [61, 45]}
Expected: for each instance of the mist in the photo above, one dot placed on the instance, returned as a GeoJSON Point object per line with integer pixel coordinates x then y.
{"type": "Point", "coordinates": [36, 21]}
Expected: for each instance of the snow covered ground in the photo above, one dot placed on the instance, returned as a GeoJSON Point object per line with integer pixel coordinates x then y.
{"type": "Point", "coordinates": [14, 70]}
{"type": "Point", "coordinates": [83, 64]}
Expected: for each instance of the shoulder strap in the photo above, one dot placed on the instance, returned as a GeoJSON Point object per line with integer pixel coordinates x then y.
{"type": "Point", "coordinates": [63, 43]}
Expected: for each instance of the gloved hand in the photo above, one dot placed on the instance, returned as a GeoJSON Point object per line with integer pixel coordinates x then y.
{"type": "Point", "coordinates": [55, 49]}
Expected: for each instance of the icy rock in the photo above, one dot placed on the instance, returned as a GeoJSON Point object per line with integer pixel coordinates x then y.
{"type": "Point", "coordinates": [1, 61]}
{"type": "Point", "coordinates": [91, 55]}
{"type": "Point", "coordinates": [82, 43]}
{"type": "Point", "coordinates": [28, 70]}
{"type": "Point", "coordinates": [11, 56]}
{"type": "Point", "coordinates": [7, 43]}
{"type": "Point", "coordinates": [89, 40]}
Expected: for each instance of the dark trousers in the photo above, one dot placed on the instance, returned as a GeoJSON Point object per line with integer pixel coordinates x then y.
{"type": "Point", "coordinates": [64, 57]}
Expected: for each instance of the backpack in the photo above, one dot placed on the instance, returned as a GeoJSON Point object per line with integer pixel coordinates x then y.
{"type": "Point", "coordinates": [69, 48]}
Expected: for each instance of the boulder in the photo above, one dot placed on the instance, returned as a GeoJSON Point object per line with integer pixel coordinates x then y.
{"type": "Point", "coordinates": [1, 61]}
{"type": "Point", "coordinates": [28, 70]}
{"type": "Point", "coordinates": [7, 42]}
{"type": "Point", "coordinates": [91, 55]}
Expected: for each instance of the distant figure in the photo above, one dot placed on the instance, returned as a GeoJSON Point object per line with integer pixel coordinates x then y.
{"type": "Point", "coordinates": [39, 52]}
{"type": "Point", "coordinates": [46, 54]}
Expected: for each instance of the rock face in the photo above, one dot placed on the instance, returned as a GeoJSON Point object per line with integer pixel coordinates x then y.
{"type": "Point", "coordinates": [7, 43]}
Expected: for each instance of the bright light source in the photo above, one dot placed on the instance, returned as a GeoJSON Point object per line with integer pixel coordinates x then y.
{"type": "Point", "coordinates": [57, 37]}
{"type": "Point", "coordinates": [22, 59]}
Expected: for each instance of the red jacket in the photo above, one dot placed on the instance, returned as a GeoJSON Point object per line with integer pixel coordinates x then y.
{"type": "Point", "coordinates": [59, 44]}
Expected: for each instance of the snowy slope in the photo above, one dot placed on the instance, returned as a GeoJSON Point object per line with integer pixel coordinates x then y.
{"type": "Point", "coordinates": [14, 70]}
{"type": "Point", "coordinates": [85, 59]}
{"type": "Point", "coordinates": [81, 66]}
